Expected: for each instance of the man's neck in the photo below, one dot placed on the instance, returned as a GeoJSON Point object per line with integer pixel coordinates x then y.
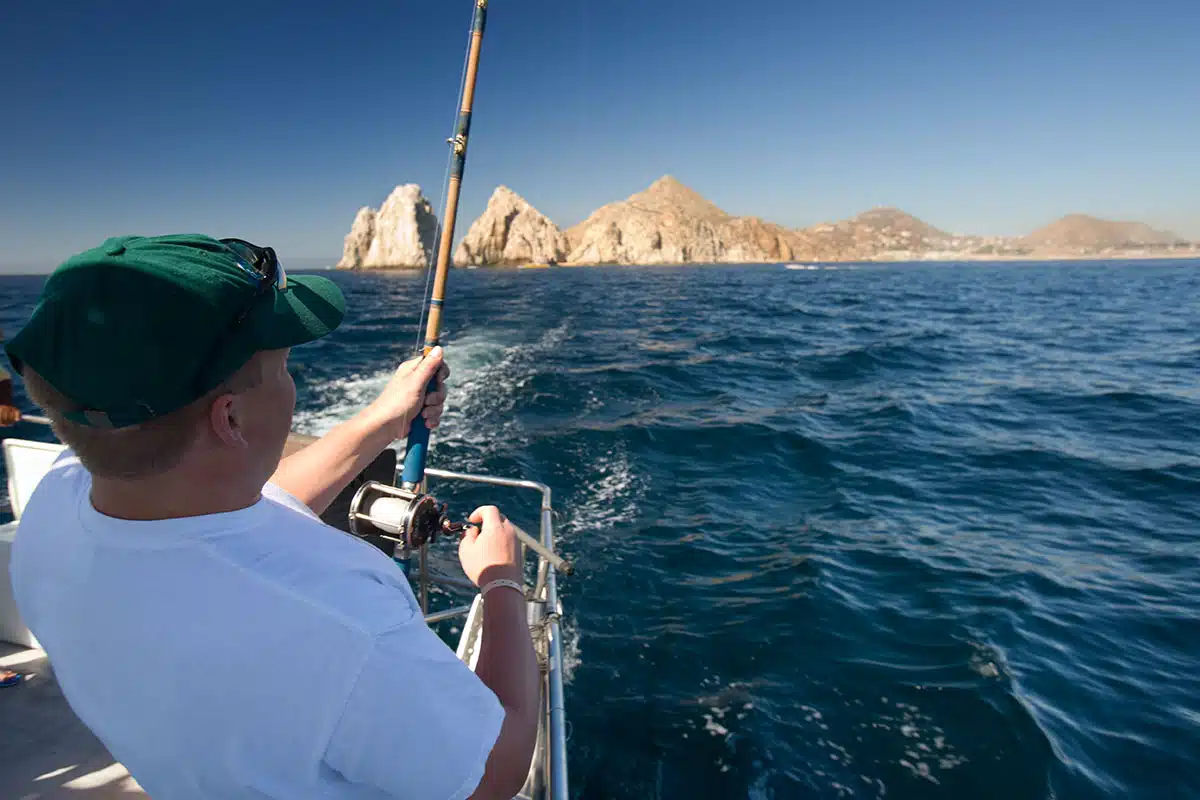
{"type": "Point", "coordinates": [170, 496]}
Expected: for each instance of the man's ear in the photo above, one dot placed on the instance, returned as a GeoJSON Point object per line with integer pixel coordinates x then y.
{"type": "Point", "coordinates": [223, 417]}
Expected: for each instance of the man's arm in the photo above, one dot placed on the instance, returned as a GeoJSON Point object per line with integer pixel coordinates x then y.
{"type": "Point", "coordinates": [316, 474]}
{"type": "Point", "coordinates": [417, 722]}
{"type": "Point", "coordinates": [9, 414]}
{"type": "Point", "coordinates": [507, 664]}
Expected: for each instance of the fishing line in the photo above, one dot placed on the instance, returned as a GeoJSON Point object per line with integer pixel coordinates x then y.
{"type": "Point", "coordinates": [432, 255]}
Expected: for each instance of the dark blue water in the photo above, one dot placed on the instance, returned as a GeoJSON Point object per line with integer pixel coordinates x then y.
{"type": "Point", "coordinates": [901, 531]}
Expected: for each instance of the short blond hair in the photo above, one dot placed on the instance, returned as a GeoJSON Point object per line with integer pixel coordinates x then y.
{"type": "Point", "coordinates": [137, 451]}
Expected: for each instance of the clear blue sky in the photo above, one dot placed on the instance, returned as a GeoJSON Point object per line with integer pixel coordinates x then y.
{"type": "Point", "coordinates": [275, 121]}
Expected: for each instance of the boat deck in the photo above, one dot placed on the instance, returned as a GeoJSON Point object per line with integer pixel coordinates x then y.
{"type": "Point", "coordinates": [48, 752]}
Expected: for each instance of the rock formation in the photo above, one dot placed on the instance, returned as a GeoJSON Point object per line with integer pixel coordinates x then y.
{"type": "Point", "coordinates": [511, 231]}
{"type": "Point", "coordinates": [671, 224]}
{"type": "Point", "coordinates": [402, 233]}
{"type": "Point", "coordinates": [358, 240]}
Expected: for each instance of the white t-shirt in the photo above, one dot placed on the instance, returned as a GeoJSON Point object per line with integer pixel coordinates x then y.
{"type": "Point", "coordinates": [253, 654]}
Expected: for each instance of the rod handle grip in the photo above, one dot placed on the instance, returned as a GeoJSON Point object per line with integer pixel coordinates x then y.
{"type": "Point", "coordinates": [417, 447]}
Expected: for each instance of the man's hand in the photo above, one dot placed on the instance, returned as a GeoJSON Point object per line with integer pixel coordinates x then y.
{"type": "Point", "coordinates": [491, 550]}
{"type": "Point", "coordinates": [507, 664]}
{"type": "Point", "coordinates": [9, 415]}
{"type": "Point", "coordinates": [405, 396]}
{"type": "Point", "coordinates": [316, 473]}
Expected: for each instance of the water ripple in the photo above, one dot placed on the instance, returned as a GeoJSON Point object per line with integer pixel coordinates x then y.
{"type": "Point", "coordinates": [904, 531]}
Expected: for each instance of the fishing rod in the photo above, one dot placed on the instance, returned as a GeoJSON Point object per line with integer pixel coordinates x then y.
{"type": "Point", "coordinates": [407, 515]}
{"type": "Point", "coordinates": [417, 447]}
{"type": "Point", "coordinates": [413, 517]}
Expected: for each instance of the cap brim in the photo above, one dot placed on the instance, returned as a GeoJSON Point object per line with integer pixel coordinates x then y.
{"type": "Point", "coordinates": [309, 308]}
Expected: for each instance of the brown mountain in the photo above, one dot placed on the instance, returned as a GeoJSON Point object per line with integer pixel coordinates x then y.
{"type": "Point", "coordinates": [668, 223]}
{"type": "Point", "coordinates": [883, 233]}
{"type": "Point", "coordinates": [1079, 232]}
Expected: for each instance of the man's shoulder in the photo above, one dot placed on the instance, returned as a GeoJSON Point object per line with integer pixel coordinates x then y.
{"type": "Point", "coordinates": [66, 478]}
{"type": "Point", "coordinates": [291, 550]}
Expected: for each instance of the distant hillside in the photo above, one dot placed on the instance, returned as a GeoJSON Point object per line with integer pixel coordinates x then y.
{"type": "Point", "coordinates": [898, 225]}
{"type": "Point", "coordinates": [878, 233]}
{"type": "Point", "coordinates": [1081, 232]}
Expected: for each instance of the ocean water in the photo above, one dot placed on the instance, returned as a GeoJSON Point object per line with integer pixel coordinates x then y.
{"type": "Point", "coordinates": [899, 531]}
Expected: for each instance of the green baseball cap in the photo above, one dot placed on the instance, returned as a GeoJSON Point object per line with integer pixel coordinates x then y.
{"type": "Point", "coordinates": [141, 326]}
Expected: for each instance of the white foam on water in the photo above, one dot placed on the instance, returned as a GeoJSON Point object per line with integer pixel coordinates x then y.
{"type": "Point", "coordinates": [342, 398]}
{"type": "Point", "coordinates": [612, 498]}
{"type": "Point", "coordinates": [715, 728]}
{"type": "Point", "coordinates": [485, 381]}
{"type": "Point", "coordinates": [488, 378]}
{"type": "Point", "coordinates": [477, 384]}
{"type": "Point", "coordinates": [572, 656]}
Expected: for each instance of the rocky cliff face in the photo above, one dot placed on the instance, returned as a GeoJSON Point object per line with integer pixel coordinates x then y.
{"type": "Point", "coordinates": [401, 233]}
{"type": "Point", "coordinates": [511, 231]}
{"type": "Point", "coordinates": [358, 240]}
{"type": "Point", "coordinates": [671, 224]}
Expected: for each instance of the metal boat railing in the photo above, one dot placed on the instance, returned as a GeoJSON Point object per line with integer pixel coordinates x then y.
{"type": "Point", "coordinates": [545, 618]}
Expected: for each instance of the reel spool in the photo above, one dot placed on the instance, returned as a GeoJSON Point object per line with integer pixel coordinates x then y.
{"type": "Point", "coordinates": [409, 519]}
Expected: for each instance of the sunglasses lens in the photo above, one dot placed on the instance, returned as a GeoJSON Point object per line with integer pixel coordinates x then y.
{"type": "Point", "coordinates": [247, 258]}
{"type": "Point", "coordinates": [259, 261]}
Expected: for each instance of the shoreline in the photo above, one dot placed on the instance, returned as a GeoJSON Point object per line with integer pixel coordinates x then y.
{"type": "Point", "coordinates": [1192, 255]}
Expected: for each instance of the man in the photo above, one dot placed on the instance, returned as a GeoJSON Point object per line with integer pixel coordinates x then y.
{"type": "Point", "coordinates": [9, 415]}
{"type": "Point", "coordinates": [262, 653]}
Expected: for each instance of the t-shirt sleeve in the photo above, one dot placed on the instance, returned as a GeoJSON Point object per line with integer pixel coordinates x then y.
{"type": "Point", "coordinates": [418, 722]}
{"type": "Point", "coordinates": [275, 492]}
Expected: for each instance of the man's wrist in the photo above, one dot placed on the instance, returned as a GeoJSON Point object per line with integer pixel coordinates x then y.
{"type": "Point", "coordinates": [501, 584]}
{"type": "Point", "coordinates": [500, 573]}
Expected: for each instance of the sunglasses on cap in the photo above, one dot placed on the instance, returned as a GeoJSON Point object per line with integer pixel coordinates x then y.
{"type": "Point", "coordinates": [260, 263]}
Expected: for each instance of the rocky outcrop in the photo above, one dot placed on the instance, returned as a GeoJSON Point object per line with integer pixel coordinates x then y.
{"type": "Point", "coordinates": [358, 240]}
{"type": "Point", "coordinates": [671, 224]}
{"type": "Point", "coordinates": [750, 240]}
{"type": "Point", "coordinates": [511, 231]}
{"type": "Point", "coordinates": [401, 233]}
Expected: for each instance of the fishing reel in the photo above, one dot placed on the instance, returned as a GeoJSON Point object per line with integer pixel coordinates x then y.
{"type": "Point", "coordinates": [409, 519]}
